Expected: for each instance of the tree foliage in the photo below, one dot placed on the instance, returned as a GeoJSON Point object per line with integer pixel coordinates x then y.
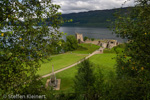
{"type": "Point", "coordinates": [136, 28]}
{"type": "Point", "coordinates": [134, 61]}
{"type": "Point", "coordinates": [92, 39]}
{"type": "Point", "coordinates": [57, 46]}
{"type": "Point", "coordinates": [85, 38]}
{"type": "Point", "coordinates": [87, 83]}
{"type": "Point", "coordinates": [84, 80]}
{"type": "Point", "coordinates": [71, 43]}
{"type": "Point", "coordinates": [22, 43]}
{"type": "Point", "coordinates": [97, 18]}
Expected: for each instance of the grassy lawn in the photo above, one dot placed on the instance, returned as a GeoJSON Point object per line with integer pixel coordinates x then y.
{"type": "Point", "coordinates": [66, 77]}
{"type": "Point", "coordinates": [86, 48]}
{"type": "Point", "coordinates": [64, 60]}
{"type": "Point", "coordinates": [59, 61]}
{"type": "Point", "coordinates": [104, 61]}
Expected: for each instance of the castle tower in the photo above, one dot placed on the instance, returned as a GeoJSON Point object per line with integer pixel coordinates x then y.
{"type": "Point", "coordinates": [79, 37]}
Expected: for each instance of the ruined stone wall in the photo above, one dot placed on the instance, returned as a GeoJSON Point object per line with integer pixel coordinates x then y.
{"type": "Point", "coordinates": [93, 42]}
{"type": "Point", "coordinates": [105, 43]}
{"type": "Point", "coordinates": [112, 43]}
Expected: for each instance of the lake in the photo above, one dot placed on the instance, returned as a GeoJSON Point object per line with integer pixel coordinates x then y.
{"type": "Point", "coordinates": [91, 32]}
{"type": "Point", "coordinates": [97, 33]}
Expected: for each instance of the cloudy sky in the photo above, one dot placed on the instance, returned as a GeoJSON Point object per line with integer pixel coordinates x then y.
{"type": "Point", "coordinates": [69, 6]}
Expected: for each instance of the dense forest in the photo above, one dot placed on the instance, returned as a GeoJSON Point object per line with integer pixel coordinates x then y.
{"type": "Point", "coordinates": [96, 18]}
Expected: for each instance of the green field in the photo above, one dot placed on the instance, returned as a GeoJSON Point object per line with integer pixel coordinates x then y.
{"type": "Point", "coordinates": [105, 61]}
{"type": "Point", "coordinates": [86, 48]}
{"type": "Point", "coordinates": [64, 60]}
{"type": "Point", "coordinates": [66, 77]}
{"type": "Point", "coordinates": [59, 61]}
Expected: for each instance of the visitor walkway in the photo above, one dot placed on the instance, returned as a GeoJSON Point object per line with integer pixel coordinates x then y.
{"type": "Point", "coordinates": [95, 52]}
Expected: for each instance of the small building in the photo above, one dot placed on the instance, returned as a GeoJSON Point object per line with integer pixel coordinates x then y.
{"type": "Point", "coordinates": [79, 38]}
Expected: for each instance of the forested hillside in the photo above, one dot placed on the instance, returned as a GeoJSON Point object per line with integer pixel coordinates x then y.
{"type": "Point", "coordinates": [97, 18]}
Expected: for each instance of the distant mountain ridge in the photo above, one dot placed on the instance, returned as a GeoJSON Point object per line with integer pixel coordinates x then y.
{"type": "Point", "coordinates": [97, 18]}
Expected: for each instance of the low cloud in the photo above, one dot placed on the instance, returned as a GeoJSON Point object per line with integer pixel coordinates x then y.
{"type": "Point", "coordinates": [70, 6]}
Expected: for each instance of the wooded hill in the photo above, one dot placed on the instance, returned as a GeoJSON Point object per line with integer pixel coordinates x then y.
{"type": "Point", "coordinates": [97, 18]}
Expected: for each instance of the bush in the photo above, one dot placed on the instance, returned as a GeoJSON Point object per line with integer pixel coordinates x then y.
{"type": "Point", "coordinates": [85, 38]}
{"type": "Point", "coordinates": [71, 43]}
{"type": "Point", "coordinates": [127, 89]}
{"type": "Point", "coordinates": [92, 39]}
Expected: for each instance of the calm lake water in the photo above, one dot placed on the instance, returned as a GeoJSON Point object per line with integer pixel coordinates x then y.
{"type": "Point", "coordinates": [97, 33]}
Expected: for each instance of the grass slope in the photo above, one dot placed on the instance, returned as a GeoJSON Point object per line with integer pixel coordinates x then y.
{"type": "Point", "coordinates": [67, 77]}
{"type": "Point", "coordinates": [59, 61]}
{"type": "Point", "coordinates": [105, 61]}
{"type": "Point", "coordinates": [86, 48]}
{"type": "Point", "coordinates": [64, 60]}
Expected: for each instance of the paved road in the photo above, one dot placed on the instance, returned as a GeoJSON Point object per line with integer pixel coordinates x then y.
{"type": "Point", "coordinates": [95, 52]}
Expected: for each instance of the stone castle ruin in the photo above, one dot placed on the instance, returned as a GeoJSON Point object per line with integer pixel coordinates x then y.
{"type": "Point", "coordinates": [79, 37]}
{"type": "Point", "coordinates": [112, 43]}
{"type": "Point", "coordinates": [105, 43]}
{"type": "Point", "coordinates": [108, 43]}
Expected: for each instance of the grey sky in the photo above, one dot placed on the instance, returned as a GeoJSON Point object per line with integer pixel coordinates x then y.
{"type": "Point", "coordinates": [69, 6]}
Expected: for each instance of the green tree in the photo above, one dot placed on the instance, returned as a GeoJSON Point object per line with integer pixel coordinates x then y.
{"type": "Point", "coordinates": [24, 44]}
{"type": "Point", "coordinates": [99, 86]}
{"type": "Point", "coordinates": [92, 39]}
{"type": "Point", "coordinates": [71, 43]}
{"type": "Point", "coordinates": [61, 45]}
{"type": "Point", "coordinates": [88, 83]}
{"type": "Point", "coordinates": [136, 28]}
{"type": "Point", "coordinates": [57, 46]}
{"type": "Point", "coordinates": [134, 62]}
{"type": "Point", "coordinates": [85, 38]}
{"type": "Point", "coordinates": [84, 80]}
